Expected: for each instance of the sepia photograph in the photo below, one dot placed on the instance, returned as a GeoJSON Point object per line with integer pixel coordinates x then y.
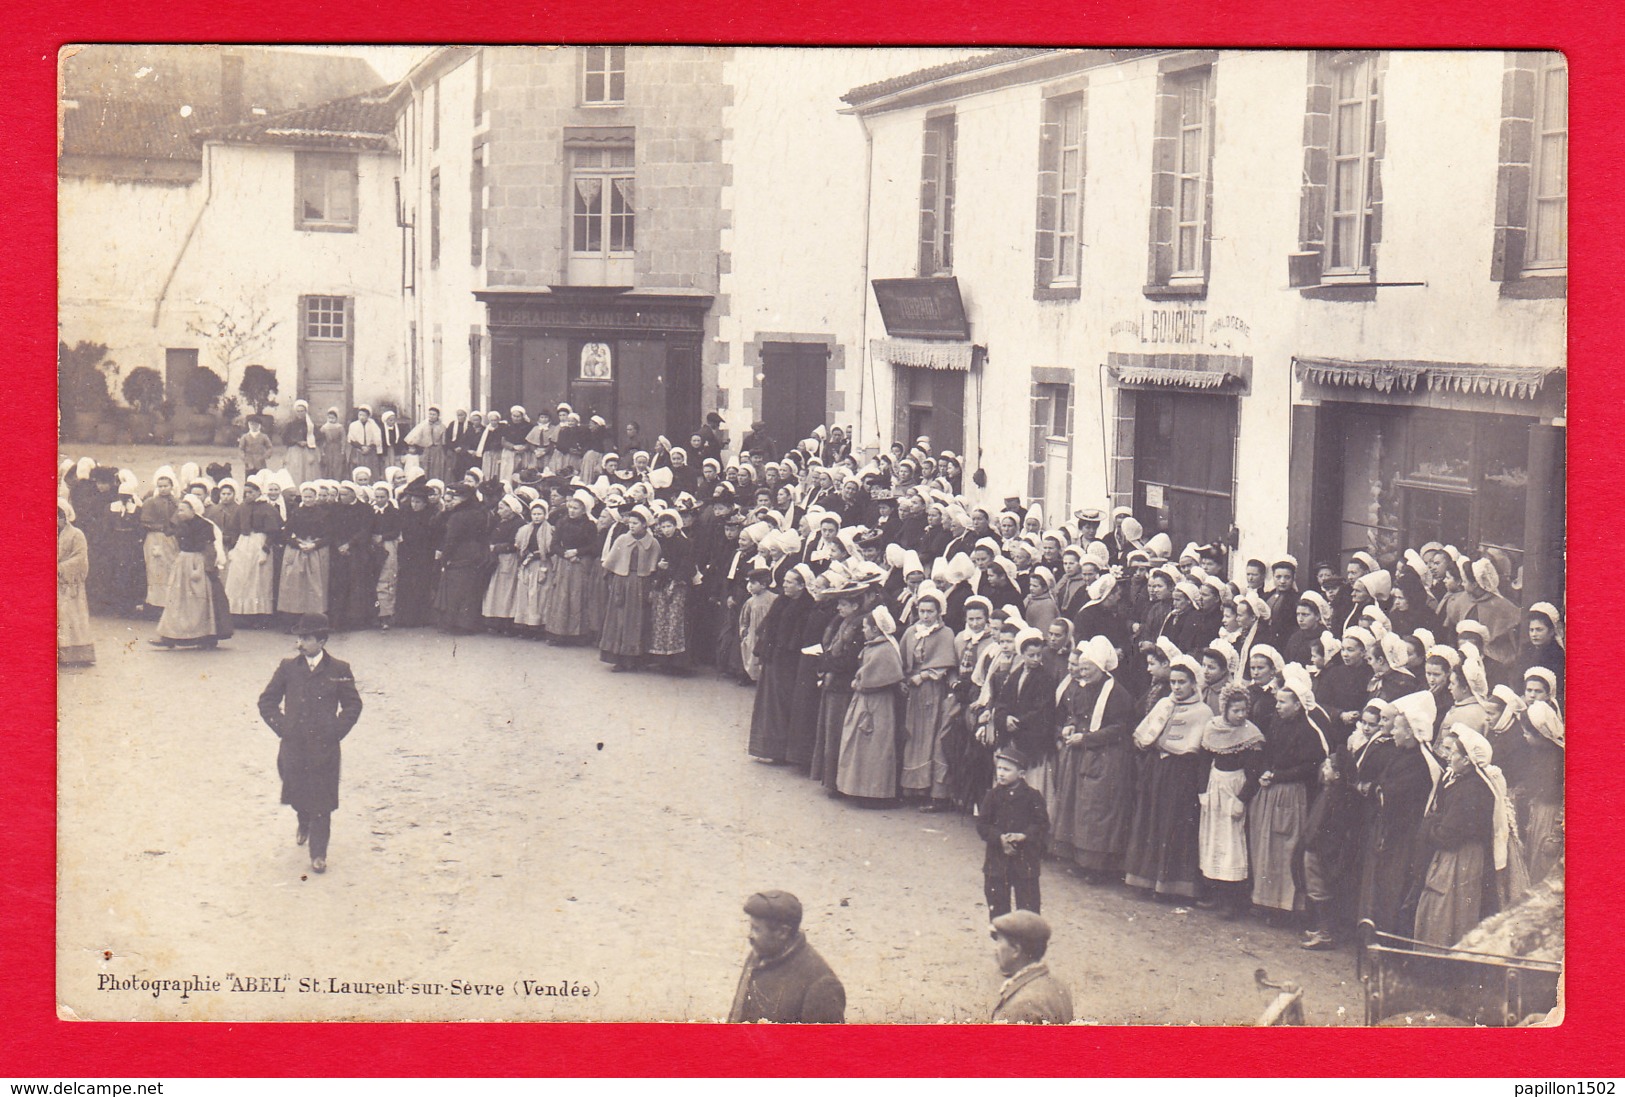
{"type": "Point", "coordinates": [890, 535]}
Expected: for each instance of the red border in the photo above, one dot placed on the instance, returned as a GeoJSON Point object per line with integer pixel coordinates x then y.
{"type": "Point", "coordinates": [36, 1043]}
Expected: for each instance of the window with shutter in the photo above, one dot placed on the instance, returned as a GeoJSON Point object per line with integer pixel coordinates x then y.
{"type": "Point", "coordinates": [937, 167]}
{"type": "Point", "coordinates": [1061, 168]}
{"type": "Point", "coordinates": [1531, 248]}
{"type": "Point", "coordinates": [1340, 216]}
{"type": "Point", "coordinates": [1181, 178]}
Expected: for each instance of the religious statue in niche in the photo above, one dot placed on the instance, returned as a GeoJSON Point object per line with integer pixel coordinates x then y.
{"type": "Point", "coordinates": [595, 364]}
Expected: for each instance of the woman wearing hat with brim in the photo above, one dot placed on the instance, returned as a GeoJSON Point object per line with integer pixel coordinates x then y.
{"type": "Point", "coordinates": [867, 766]}
{"type": "Point", "coordinates": [1094, 771]}
{"type": "Point", "coordinates": [805, 694]}
{"type": "Point", "coordinates": [416, 571]}
{"type": "Point", "coordinates": [778, 647]}
{"type": "Point", "coordinates": [465, 561]}
{"type": "Point", "coordinates": [841, 649]}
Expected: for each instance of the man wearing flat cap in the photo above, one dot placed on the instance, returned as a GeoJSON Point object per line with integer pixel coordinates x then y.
{"type": "Point", "coordinates": [1030, 994]}
{"type": "Point", "coordinates": [784, 979]}
{"type": "Point", "coordinates": [311, 704]}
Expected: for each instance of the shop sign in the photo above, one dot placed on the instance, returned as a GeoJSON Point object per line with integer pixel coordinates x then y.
{"type": "Point", "coordinates": [922, 308]}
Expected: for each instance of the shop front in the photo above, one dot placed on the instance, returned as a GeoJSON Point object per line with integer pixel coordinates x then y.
{"type": "Point", "coordinates": [628, 357]}
{"type": "Point", "coordinates": [1395, 455]}
{"type": "Point", "coordinates": [1176, 444]}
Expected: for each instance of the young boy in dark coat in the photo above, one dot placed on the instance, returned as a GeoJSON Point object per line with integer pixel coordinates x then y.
{"type": "Point", "coordinates": [1014, 824]}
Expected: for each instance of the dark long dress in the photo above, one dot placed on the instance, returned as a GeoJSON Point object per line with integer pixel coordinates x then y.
{"type": "Point", "coordinates": [1458, 885]}
{"type": "Point", "coordinates": [1164, 842]}
{"type": "Point", "coordinates": [126, 565]}
{"type": "Point", "coordinates": [843, 648]}
{"type": "Point", "coordinates": [349, 597]}
{"type": "Point", "coordinates": [415, 561]}
{"type": "Point", "coordinates": [1397, 786]}
{"type": "Point", "coordinates": [1094, 779]}
{"type": "Point", "coordinates": [465, 559]}
{"type": "Point", "coordinates": [565, 610]}
{"type": "Point", "coordinates": [805, 697]}
{"type": "Point", "coordinates": [778, 647]}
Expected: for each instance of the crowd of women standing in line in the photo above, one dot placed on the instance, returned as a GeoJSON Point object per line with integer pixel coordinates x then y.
{"type": "Point", "coordinates": [1387, 743]}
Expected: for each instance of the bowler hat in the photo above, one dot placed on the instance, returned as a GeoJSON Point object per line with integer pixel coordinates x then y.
{"type": "Point", "coordinates": [313, 624]}
{"type": "Point", "coordinates": [775, 906]}
{"type": "Point", "coordinates": [1029, 931]}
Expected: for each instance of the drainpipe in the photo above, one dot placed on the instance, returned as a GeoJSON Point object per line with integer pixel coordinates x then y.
{"type": "Point", "coordinates": [208, 193]}
{"type": "Point", "coordinates": [863, 329]}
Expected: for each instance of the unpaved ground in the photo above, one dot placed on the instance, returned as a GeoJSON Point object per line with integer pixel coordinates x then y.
{"type": "Point", "coordinates": [512, 811]}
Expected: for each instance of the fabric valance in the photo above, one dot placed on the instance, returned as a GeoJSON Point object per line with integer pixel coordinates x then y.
{"type": "Point", "coordinates": [1522, 382]}
{"type": "Point", "coordinates": [908, 352]}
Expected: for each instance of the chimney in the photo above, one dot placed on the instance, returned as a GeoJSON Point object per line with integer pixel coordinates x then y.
{"type": "Point", "coordinates": [231, 87]}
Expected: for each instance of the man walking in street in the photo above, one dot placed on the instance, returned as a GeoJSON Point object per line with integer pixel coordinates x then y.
{"type": "Point", "coordinates": [1030, 994]}
{"type": "Point", "coordinates": [311, 704]}
{"type": "Point", "coordinates": [784, 980]}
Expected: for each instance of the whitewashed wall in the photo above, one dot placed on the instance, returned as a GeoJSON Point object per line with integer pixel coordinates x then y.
{"type": "Point", "coordinates": [795, 249]}
{"type": "Point", "coordinates": [1439, 179]}
{"type": "Point", "coordinates": [120, 242]}
{"type": "Point", "coordinates": [442, 295]}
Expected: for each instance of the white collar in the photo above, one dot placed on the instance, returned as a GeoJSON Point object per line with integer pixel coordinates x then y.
{"type": "Point", "coordinates": [317, 661]}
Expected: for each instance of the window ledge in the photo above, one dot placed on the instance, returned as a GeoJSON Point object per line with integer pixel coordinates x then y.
{"type": "Point", "coordinates": [1536, 287]}
{"type": "Point", "coordinates": [313, 226]}
{"type": "Point", "coordinates": [1057, 293]}
{"type": "Point", "coordinates": [1185, 291]}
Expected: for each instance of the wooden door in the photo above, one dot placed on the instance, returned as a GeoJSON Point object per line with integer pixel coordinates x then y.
{"type": "Point", "coordinates": [179, 362]}
{"type": "Point", "coordinates": [327, 335]}
{"type": "Point", "coordinates": [1184, 464]}
{"type": "Point", "coordinates": [640, 388]}
{"type": "Point", "coordinates": [794, 383]}
{"type": "Point", "coordinates": [544, 366]}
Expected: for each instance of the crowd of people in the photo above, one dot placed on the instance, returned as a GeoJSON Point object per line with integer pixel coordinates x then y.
{"type": "Point", "coordinates": [1382, 741]}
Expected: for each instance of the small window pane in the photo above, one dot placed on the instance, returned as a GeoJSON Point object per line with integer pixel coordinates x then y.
{"type": "Point", "coordinates": [617, 86]}
{"type": "Point", "coordinates": [595, 87]}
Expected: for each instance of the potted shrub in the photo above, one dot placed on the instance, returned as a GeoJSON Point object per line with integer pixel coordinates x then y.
{"type": "Point", "coordinates": [143, 390]}
{"type": "Point", "coordinates": [82, 393]}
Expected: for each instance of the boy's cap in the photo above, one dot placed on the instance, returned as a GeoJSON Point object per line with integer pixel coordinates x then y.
{"type": "Point", "coordinates": [1012, 754]}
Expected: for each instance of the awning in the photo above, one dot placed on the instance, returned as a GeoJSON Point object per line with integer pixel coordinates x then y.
{"type": "Point", "coordinates": [1522, 382]}
{"type": "Point", "coordinates": [907, 352]}
{"type": "Point", "coordinates": [1180, 371]}
{"type": "Point", "coordinates": [1176, 378]}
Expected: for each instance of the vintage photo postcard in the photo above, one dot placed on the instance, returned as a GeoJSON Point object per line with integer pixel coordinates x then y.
{"type": "Point", "coordinates": [895, 535]}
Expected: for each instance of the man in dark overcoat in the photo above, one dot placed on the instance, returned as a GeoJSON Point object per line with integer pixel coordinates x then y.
{"type": "Point", "coordinates": [784, 979]}
{"type": "Point", "coordinates": [311, 704]}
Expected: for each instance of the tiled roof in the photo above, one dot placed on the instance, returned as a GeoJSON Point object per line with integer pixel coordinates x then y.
{"type": "Point", "coordinates": [359, 122]}
{"type": "Point", "coordinates": [868, 92]}
{"type": "Point", "coordinates": [130, 130]}
{"type": "Point", "coordinates": [272, 80]}
{"type": "Point", "coordinates": [146, 104]}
